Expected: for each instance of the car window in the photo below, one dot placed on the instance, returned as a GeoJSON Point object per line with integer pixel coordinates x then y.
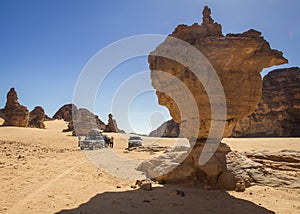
{"type": "Point", "coordinates": [135, 138]}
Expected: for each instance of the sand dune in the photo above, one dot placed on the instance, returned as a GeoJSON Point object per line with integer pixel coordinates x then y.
{"type": "Point", "coordinates": [43, 171]}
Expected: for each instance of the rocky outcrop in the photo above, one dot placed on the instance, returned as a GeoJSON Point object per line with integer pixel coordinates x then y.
{"type": "Point", "coordinates": [235, 170]}
{"type": "Point", "coordinates": [65, 112]}
{"type": "Point", "coordinates": [83, 121]}
{"type": "Point", "coordinates": [37, 117]}
{"type": "Point", "coordinates": [278, 112]}
{"type": "Point", "coordinates": [15, 113]}
{"type": "Point", "coordinates": [47, 118]}
{"type": "Point", "coordinates": [238, 60]}
{"type": "Point", "coordinates": [276, 169]}
{"type": "Point", "coordinates": [167, 129]}
{"type": "Point", "coordinates": [112, 125]}
{"type": "Point", "coordinates": [2, 115]}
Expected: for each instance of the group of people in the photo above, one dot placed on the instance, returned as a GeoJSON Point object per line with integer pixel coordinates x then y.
{"type": "Point", "coordinates": [109, 141]}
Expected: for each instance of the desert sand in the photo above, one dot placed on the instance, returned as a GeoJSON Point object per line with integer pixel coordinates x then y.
{"type": "Point", "coordinates": [43, 171]}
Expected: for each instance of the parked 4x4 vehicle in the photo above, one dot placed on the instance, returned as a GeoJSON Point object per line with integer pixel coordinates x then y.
{"type": "Point", "coordinates": [134, 141]}
{"type": "Point", "coordinates": [94, 140]}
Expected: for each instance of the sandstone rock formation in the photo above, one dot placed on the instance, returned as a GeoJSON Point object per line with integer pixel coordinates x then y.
{"type": "Point", "coordinates": [65, 112]}
{"type": "Point", "coordinates": [112, 125]}
{"type": "Point", "coordinates": [278, 112]}
{"type": "Point", "coordinates": [37, 117]}
{"type": "Point", "coordinates": [276, 169]}
{"type": "Point", "coordinates": [2, 115]}
{"type": "Point", "coordinates": [47, 118]}
{"type": "Point", "coordinates": [167, 129]}
{"type": "Point", "coordinates": [238, 60]}
{"type": "Point", "coordinates": [15, 113]}
{"type": "Point", "coordinates": [83, 121]}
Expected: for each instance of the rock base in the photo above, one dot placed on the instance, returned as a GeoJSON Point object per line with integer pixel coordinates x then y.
{"type": "Point", "coordinates": [226, 169]}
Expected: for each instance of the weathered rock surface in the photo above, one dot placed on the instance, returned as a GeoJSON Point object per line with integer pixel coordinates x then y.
{"type": "Point", "coordinates": [175, 166]}
{"type": "Point", "coordinates": [112, 125]}
{"type": "Point", "coordinates": [2, 115]}
{"type": "Point", "coordinates": [65, 112]}
{"type": "Point", "coordinates": [276, 169]}
{"type": "Point", "coordinates": [238, 60]}
{"type": "Point", "coordinates": [37, 117]}
{"type": "Point", "coordinates": [83, 121]}
{"type": "Point", "coordinates": [167, 129]}
{"type": "Point", "coordinates": [15, 113]}
{"type": "Point", "coordinates": [278, 112]}
{"type": "Point", "coordinates": [234, 170]}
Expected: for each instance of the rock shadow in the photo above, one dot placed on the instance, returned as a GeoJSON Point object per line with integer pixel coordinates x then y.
{"type": "Point", "coordinates": [166, 200]}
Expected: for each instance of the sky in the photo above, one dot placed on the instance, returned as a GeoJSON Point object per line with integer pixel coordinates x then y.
{"type": "Point", "coordinates": [46, 44]}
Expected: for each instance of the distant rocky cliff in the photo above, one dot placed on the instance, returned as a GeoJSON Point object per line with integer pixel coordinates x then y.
{"type": "Point", "coordinates": [84, 120]}
{"type": "Point", "coordinates": [278, 112]}
{"type": "Point", "coordinates": [167, 129]}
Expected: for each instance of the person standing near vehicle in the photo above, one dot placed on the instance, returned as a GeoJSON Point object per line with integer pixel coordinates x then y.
{"type": "Point", "coordinates": [111, 143]}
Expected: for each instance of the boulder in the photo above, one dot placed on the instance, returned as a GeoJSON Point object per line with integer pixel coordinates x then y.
{"type": "Point", "coordinates": [238, 60]}
{"type": "Point", "coordinates": [37, 117]}
{"type": "Point", "coordinates": [278, 112]}
{"type": "Point", "coordinates": [15, 113]}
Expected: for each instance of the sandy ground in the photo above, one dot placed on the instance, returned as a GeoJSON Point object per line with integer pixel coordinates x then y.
{"type": "Point", "coordinates": [43, 171]}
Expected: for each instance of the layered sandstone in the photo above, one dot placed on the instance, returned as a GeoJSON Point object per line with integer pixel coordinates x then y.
{"type": "Point", "coordinates": [37, 117]}
{"type": "Point", "coordinates": [15, 113]}
{"type": "Point", "coordinates": [278, 112]}
{"type": "Point", "coordinates": [237, 60]}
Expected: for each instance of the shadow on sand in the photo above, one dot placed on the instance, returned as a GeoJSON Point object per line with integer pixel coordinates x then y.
{"type": "Point", "coordinates": [165, 200]}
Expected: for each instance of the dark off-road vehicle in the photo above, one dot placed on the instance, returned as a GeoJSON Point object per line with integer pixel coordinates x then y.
{"type": "Point", "coordinates": [94, 140]}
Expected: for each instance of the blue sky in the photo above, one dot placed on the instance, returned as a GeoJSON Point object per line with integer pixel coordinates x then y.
{"type": "Point", "coordinates": [44, 44]}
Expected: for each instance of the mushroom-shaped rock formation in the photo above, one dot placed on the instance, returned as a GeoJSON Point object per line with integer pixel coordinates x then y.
{"type": "Point", "coordinates": [237, 59]}
{"type": "Point", "coordinates": [15, 113]}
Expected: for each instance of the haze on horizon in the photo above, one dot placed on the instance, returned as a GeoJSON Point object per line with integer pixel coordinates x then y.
{"type": "Point", "coordinates": [45, 45]}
